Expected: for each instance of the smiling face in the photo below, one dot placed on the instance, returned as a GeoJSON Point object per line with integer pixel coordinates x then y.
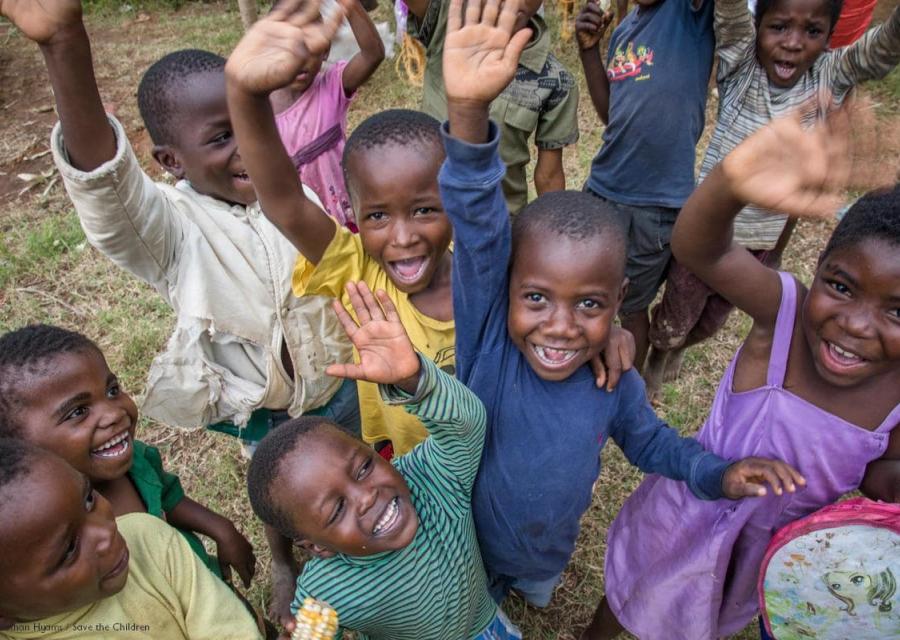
{"type": "Point", "coordinates": [563, 297]}
{"type": "Point", "coordinates": [68, 550]}
{"type": "Point", "coordinates": [790, 36]}
{"type": "Point", "coordinates": [401, 219]}
{"type": "Point", "coordinates": [75, 408]}
{"type": "Point", "coordinates": [204, 151]}
{"type": "Point", "coordinates": [344, 497]}
{"type": "Point", "coordinates": [851, 316]}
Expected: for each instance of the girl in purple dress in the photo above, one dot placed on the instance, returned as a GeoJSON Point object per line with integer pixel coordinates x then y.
{"type": "Point", "coordinates": [816, 383]}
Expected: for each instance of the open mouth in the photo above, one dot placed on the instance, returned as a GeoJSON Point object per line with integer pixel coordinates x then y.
{"type": "Point", "coordinates": [554, 358]}
{"type": "Point", "coordinates": [114, 447]}
{"type": "Point", "coordinates": [838, 358]}
{"type": "Point", "coordinates": [408, 270]}
{"type": "Point", "coordinates": [784, 70]}
{"type": "Point", "coordinates": [388, 519]}
{"type": "Point", "coordinates": [241, 177]}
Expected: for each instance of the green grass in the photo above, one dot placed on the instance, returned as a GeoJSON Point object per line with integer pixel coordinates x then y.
{"type": "Point", "coordinates": [47, 274]}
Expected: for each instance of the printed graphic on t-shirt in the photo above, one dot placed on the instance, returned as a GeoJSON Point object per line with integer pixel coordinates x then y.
{"type": "Point", "coordinates": [445, 359]}
{"type": "Point", "coordinates": [630, 62]}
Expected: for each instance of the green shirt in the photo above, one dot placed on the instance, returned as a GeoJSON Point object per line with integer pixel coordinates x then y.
{"type": "Point", "coordinates": [435, 588]}
{"type": "Point", "coordinates": [542, 98]}
{"type": "Point", "coordinates": [161, 492]}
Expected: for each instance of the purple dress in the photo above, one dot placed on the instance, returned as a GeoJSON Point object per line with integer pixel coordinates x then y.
{"type": "Point", "coordinates": [679, 567]}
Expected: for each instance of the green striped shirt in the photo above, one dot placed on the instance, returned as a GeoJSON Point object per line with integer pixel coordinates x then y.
{"type": "Point", "coordinates": [435, 588]}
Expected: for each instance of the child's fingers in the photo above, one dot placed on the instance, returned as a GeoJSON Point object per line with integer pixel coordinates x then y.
{"type": "Point", "coordinates": [225, 569]}
{"type": "Point", "coordinates": [509, 14]}
{"type": "Point", "coordinates": [490, 12]}
{"type": "Point", "coordinates": [349, 370]}
{"type": "Point", "coordinates": [284, 10]}
{"type": "Point", "coordinates": [358, 302]}
{"type": "Point", "coordinates": [350, 326]}
{"type": "Point", "coordinates": [473, 12]}
{"type": "Point", "coordinates": [454, 17]}
{"type": "Point", "coordinates": [516, 45]}
{"type": "Point", "coordinates": [374, 309]}
{"type": "Point", "coordinates": [599, 369]}
{"type": "Point", "coordinates": [390, 311]}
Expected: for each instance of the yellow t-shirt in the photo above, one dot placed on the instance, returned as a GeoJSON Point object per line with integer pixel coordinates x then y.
{"type": "Point", "coordinates": [345, 261]}
{"type": "Point", "coordinates": [169, 594]}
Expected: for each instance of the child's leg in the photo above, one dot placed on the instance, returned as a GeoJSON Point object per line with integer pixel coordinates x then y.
{"type": "Point", "coordinates": [638, 323]}
{"type": "Point", "coordinates": [604, 625]}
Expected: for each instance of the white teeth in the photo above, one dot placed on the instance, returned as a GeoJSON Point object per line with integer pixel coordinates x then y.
{"type": "Point", "coordinates": [102, 450]}
{"type": "Point", "coordinates": [552, 356]}
{"type": "Point", "coordinates": [387, 519]}
{"type": "Point", "coordinates": [844, 353]}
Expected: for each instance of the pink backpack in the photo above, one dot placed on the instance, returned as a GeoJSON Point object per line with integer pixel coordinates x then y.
{"type": "Point", "coordinates": [832, 575]}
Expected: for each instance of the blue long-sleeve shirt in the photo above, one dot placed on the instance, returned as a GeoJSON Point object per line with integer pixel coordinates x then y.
{"type": "Point", "coordinates": [543, 441]}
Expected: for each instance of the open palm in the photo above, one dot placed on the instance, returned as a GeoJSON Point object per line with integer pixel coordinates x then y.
{"type": "Point", "coordinates": [786, 167]}
{"type": "Point", "coordinates": [481, 52]}
{"type": "Point", "coordinates": [40, 20]}
{"type": "Point", "coordinates": [276, 48]}
{"type": "Point", "coordinates": [386, 355]}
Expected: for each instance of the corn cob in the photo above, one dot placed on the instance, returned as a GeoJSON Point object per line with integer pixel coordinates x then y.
{"type": "Point", "coordinates": [315, 621]}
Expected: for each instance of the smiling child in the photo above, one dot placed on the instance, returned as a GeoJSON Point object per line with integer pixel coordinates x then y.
{"type": "Point", "coordinates": [78, 572]}
{"type": "Point", "coordinates": [394, 543]}
{"type": "Point", "coordinates": [58, 392]}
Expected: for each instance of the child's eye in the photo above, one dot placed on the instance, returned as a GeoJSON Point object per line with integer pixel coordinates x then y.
{"type": "Point", "coordinates": [589, 303]}
{"type": "Point", "coordinates": [377, 216]}
{"type": "Point", "coordinates": [814, 31]}
{"type": "Point", "coordinates": [77, 412]}
{"type": "Point", "coordinates": [777, 27]}
{"type": "Point", "coordinates": [364, 469]}
{"type": "Point", "coordinates": [840, 287]}
{"type": "Point", "coordinates": [534, 297]}
{"type": "Point", "coordinates": [338, 510]}
{"type": "Point", "coordinates": [225, 136]}
{"type": "Point", "coordinates": [114, 390]}
{"type": "Point", "coordinates": [422, 211]}
{"type": "Point", "coordinates": [90, 501]}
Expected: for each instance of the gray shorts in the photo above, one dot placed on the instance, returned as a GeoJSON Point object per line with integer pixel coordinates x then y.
{"type": "Point", "coordinates": [649, 252]}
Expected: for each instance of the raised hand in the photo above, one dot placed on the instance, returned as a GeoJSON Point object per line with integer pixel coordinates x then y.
{"type": "Point", "coordinates": [481, 52]}
{"type": "Point", "coordinates": [791, 169]}
{"type": "Point", "coordinates": [591, 24]}
{"type": "Point", "coordinates": [747, 478]}
{"type": "Point", "coordinates": [386, 356]}
{"type": "Point", "coordinates": [275, 49]}
{"type": "Point", "coordinates": [40, 20]}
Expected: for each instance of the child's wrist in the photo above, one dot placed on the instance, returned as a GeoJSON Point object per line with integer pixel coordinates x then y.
{"type": "Point", "coordinates": [469, 120]}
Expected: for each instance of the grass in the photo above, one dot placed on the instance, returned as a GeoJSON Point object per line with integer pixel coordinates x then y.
{"type": "Point", "coordinates": [48, 274]}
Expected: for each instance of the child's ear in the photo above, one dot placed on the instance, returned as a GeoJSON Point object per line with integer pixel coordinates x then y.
{"type": "Point", "coordinates": [168, 158]}
{"type": "Point", "coordinates": [315, 549]}
{"type": "Point", "coordinates": [622, 291]}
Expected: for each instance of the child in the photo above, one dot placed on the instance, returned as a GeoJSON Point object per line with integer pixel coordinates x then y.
{"type": "Point", "coordinates": [311, 115]}
{"type": "Point", "coordinates": [391, 162]}
{"type": "Point", "coordinates": [541, 99]}
{"type": "Point", "coordinates": [394, 545]}
{"type": "Point", "coordinates": [768, 66]}
{"type": "Point", "coordinates": [57, 392]}
{"type": "Point", "coordinates": [525, 333]}
{"type": "Point", "coordinates": [245, 353]}
{"type": "Point", "coordinates": [816, 382]}
{"type": "Point", "coordinates": [651, 94]}
{"type": "Point", "coordinates": [78, 572]}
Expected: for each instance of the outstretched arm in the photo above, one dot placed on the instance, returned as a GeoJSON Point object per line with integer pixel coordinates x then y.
{"type": "Point", "coordinates": [781, 167]}
{"type": "Point", "coordinates": [56, 26]}
{"type": "Point", "coordinates": [269, 56]}
{"type": "Point", "coordinates": [590, 25]}
{"type": "Point", "coordinates": [371, 49]}
{"type": "Point", "coordinates": [481, 54]}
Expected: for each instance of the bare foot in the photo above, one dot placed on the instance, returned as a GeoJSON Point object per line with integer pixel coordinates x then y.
{"type": "Point", "coordinates": [653, 373]}
{"type": "Point", "coordinates": [284, 584]}
{"type": "Point", "coordinates": [673, 365]}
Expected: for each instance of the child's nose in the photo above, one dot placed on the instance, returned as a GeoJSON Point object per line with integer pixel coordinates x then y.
{"type": "Point", "coordinates": [366, 499]}
{"type": "Point", "coordinates": [561, 323]}
{"type": "Point", "coordinates": [111, 415]}
{"type": "Point", "coordinates": [857, 321]}
{"type": "Point", "coordinates": [403, 234]}
{"type": "Point", "coordinates": [792, 40]}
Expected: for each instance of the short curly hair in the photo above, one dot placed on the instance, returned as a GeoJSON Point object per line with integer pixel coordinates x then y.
{"type": "Point", "coordinates": [265, 467]}
{"type": "Point", "coordinates": [159, 90]}
{"type": "Point", "coordinates": [875, 216]}
{"type": "Point", "coordinates": [16, 462]}
{"type": "Point", "coordinates": [28, 351]}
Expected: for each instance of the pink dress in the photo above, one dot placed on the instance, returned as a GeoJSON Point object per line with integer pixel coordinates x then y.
{"type": "Point", "coordinates": [682, 568]}
{"type": "Point", "coordinates": [313, 130]}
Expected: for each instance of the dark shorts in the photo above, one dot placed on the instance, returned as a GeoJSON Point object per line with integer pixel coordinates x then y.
{"type": "Point", "coordinates": [689, 308]}
{"type": "Point", "coordinates": [649, 252]}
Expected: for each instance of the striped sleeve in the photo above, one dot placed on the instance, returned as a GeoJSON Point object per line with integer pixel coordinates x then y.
{"type": "Point", "coordinates": [870, 58]}
{"type": "Point", "coordinates": [454, 417]}
{"type": "Point", "coordinates": [735, 35]}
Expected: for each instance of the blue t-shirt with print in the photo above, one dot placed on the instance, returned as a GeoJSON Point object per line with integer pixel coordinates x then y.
{"type": "Point", "coordinates": [542, 448]}
{"type": "Point", "coordinates": [658, 65]}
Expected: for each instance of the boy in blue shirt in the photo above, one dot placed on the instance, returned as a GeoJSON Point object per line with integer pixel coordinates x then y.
{"type": "Point", "coordinates": [651, 95]}
{"type": "Point", "coordinates": [524, 336]}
